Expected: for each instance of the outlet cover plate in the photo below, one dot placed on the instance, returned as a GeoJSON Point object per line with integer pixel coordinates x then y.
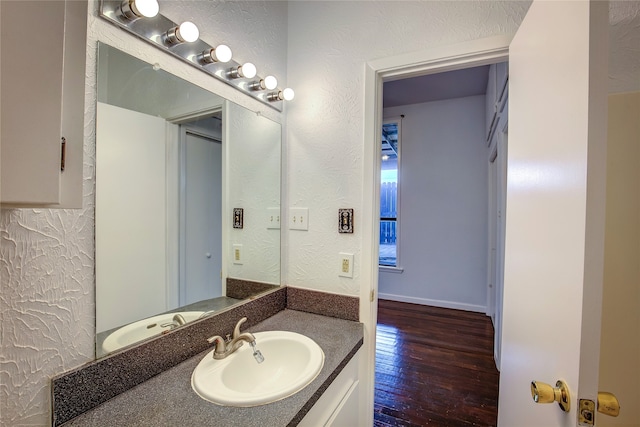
{"type": "Point", "coordinates": [236, 254]}
{"type": "Point", "coordinates": [346, 265]}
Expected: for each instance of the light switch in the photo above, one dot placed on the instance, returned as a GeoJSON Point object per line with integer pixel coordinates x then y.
{"type": "Point", "coordinates": [273, 218]}
{"type": "Point", "coordinates": [299, 219]}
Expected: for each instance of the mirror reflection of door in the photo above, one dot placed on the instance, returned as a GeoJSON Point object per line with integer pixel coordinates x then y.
{"type": "Point", "coordinates": [130, 207]}
{"type": "Point", "coordinates": [201, 211]}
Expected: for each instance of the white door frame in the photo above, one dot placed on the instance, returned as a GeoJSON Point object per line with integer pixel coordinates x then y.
{"type": "Point", "coordinates": [436, 60]}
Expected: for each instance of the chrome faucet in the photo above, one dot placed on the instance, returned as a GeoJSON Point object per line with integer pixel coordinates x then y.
{"type": "Point", "coordinates": [223, 348]}
{"type": "Point", "coordinates": [178, 320]}
{"type": "Point", "coordinates": [206, 314]}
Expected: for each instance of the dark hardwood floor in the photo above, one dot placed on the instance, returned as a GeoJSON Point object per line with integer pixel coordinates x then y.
{"type": "Point", "coordinates": [434, 367]}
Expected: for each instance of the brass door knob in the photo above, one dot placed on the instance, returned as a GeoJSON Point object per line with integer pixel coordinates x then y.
{"type": "Point", "coordinates": [608, 404]}
{"type": "Point", "coordinates": [544, 393]}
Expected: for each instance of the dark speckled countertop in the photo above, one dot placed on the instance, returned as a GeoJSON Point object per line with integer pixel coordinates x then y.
{"type": "Point", "coordinates": [168, 399]}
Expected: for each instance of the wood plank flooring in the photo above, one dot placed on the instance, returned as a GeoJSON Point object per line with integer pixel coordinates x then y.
{"type": "Point", "coordinates": [434, 367]}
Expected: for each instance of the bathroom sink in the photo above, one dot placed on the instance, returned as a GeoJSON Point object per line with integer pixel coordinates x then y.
{"type": "Point", "coordinates": [143, 329]}
{"type": "Point", "coordinates": [291, 362]}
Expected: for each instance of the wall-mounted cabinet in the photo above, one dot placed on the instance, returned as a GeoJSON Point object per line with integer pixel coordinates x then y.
{"type": "Point", "coordinates": [43, 53]}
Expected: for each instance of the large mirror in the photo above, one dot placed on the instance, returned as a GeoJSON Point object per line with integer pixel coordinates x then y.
{"type": "Point", "coordinates": [187, 202]}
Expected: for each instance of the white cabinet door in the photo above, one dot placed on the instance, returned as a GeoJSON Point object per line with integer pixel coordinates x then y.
{"type": "Point", "coordinates": [338, 406]}
{"type": "Point", "coordinates": [42, 83]}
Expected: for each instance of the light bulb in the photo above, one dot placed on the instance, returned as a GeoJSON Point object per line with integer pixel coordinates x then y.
{"type": "Point", "coordinates": [270, 82]}
{"type": "Point", "coordinates": [146, 8]}
{"type": "Point", "coordinates": [221, 53]}
{"type": "Point", "coordinates": [134, 9]}
{"type": "Point", "coordinates": [187, 32]}
{"type": "Point", "coordinates": [247, 70]}
{"type": "Point", "coordinates": [288, 94]}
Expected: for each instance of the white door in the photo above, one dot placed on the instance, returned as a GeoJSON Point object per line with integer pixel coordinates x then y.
{"type": "Point", "coordinates": [202, 214]}
{"type": "Point", "coordinates": [131, 220]}
{"type": "Point", "coordinates": [555, 209]}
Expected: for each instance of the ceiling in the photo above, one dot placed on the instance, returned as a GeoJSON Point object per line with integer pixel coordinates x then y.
{"type": "Point", "coordinates": [624, 66]}
{"type": "Point", "coordinates": [436, 87]}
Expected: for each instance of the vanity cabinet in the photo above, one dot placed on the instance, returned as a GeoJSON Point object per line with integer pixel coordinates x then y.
{"type": "Point", "coordinates": [339, 404]}
{"type": "Point", "coordinates": [42, 78]}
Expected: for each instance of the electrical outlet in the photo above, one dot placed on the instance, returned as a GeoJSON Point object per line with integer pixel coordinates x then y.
{"type": "Point", "coordinates": [346, 265]}
{"type": "Point", "coordinates": [237, 254]}
{"type": "Point", "coordinates": [298, 218]}
{"type": "Point", "coordinates": [273, 218]}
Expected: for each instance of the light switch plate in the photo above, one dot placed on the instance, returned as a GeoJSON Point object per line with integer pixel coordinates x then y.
{"type": "Point", "coordinates": [298, 218]}
{"type": "Point", "coordinates": [346, 265]}
{"type": "Point", "coordinates": [273, 218]}
{"type": "Point", "coordinates": [345, 221]}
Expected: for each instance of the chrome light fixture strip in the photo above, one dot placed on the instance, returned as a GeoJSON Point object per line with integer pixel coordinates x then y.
{"type": "Point", "coordinates": [152, 30]}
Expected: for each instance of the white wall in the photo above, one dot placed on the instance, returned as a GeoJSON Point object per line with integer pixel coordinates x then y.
{"type": "Point", "coordinates": [329, 43]}
{"type": "Point", "coordinates": [47, 301]}
{"type": "Point", "coordinates": [443, 205]}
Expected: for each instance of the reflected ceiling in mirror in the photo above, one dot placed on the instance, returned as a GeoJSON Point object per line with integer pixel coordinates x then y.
{"type": "Point", "coordinates": [173, 163]}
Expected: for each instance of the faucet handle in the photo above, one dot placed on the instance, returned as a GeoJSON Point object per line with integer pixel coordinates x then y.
{"type": "Point", "coordinates": [216, 339]}
{"type": "Point", "coordinates": [219, 345]}
{"type": "Point", "coordinates": [236, 330]}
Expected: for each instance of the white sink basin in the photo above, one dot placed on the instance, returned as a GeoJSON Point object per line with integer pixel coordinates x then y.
{"type": "Point", "coordinates": [143, 329]}
{"type": "Point", "coordinates": [291, 362]}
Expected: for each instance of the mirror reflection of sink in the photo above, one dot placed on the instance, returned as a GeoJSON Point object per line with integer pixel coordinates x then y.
{"type": "Point", "coordinates": [145, 328]}
{"type": "Point", "coordinates": [291, 362]}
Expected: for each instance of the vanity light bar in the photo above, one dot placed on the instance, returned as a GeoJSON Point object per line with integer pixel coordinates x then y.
{"type": "Point", "coordinates": [183, 42]}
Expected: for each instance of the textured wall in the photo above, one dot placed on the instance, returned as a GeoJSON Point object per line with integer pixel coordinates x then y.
{"type": "Point", "coordinates": [624, 46]}
{"type": "Point", "coordinates": [329, 44]}
{"type": "Point", "coordinates": [47, 309]}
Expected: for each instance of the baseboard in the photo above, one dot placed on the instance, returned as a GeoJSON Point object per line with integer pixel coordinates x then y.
{"type": "Point", "coordinates": [435, 303]}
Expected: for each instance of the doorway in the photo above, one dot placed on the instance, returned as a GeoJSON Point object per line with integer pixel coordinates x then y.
{"type": "Point", "coordinates": [447, 152]}
{"type": "Point", "coordinates": [200, 211]}
{"type": "Point", "coordinates": [536, 194]}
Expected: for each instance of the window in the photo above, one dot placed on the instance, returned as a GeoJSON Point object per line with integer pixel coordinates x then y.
{"type": "Point", "coordinates": [388, 256]}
